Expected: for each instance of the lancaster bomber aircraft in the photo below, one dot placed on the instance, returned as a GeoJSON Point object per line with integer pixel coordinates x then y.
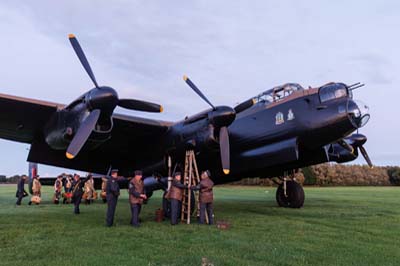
{"type": "Point", "coordinates": [269, 135]}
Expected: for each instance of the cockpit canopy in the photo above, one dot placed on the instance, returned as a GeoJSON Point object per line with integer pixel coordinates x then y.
{"type": "Point", "coordinates": [333, 91]}
{"type": "Point", "coordinates": [278, 93]}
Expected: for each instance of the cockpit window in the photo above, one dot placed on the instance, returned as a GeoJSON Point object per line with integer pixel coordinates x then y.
{"type": "Point", "coordinates": [278, 93]}
{"type": "Point", "coordinates": [332, 91]}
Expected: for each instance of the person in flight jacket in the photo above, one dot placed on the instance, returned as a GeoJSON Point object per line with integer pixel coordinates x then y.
{"type": "Point", "coordinates": [136, 197]}
{"type": "Point", "coordinates": [175, 195]}
{"type": "Point", "coordinates": [112, 193]}
{"type": "Point", "coordinates": [206, 197]}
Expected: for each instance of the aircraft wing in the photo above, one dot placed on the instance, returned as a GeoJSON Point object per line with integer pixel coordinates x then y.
{"type": "Point", "coordinates": [131, 144]}
{"type": "Point", "coordinates": [21, 119]}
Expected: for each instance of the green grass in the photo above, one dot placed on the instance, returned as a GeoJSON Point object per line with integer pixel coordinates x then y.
{"type": "Point", "coordinates": [337, 226]}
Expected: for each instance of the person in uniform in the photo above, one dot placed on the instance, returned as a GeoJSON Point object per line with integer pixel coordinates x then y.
{"type": "Point", "coordinates": [136, 197]}
{"type": "Point", "coordinates": [206, 197]}
{"type": "Point", "coordinates": [21, 193]}
{"type": "Point", "coordinates": [112, 192]}
{"type": "Point", "coordinates": [67, 189]}
{"type": "Point", "coordinates": [36, 189]}
{"type": "Point", "coordinates": [57, 189]}
{"type": "Point", "coordinates": [77, 192]}
{"type": "Point", "coordinates": [89, 190]}
{"type": "Point", "coordinates": [175, 196]}
{"type": "Point", "coordinates": [103, 193]}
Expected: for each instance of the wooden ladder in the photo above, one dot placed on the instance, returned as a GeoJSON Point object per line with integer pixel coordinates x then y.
{"type": "Point", "coordinates": [190, 178]}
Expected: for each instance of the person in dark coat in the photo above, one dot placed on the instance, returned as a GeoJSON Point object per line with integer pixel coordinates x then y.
{"type": "Point", "coordinates": [136, 197]}
{"type": "Point", "coordinates": [206, 197]}
{"type": "Point", "coordinates": [21, 193]}
{"type": "Point", "coordinates": [77, 192]}
{"type": "Point", "coordinates": [175, 196]}
{"type": "Point", "coordinates": [112, 194]}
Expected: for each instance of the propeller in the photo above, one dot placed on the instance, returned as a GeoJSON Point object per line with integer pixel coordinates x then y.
{"type": "Point", "coordinates": [100, 101]}
{"type": "Point", "coordinates": [357, 141]}
{"type": "Point", "coordinates": [83, 133]}
{"type": "Point", "coordinates": [224, 147]}
{"type": "Point", "coordinates": [223, 117]}
{"type": "Point", "coordinates": [131, 104]}
{"type": "Point", "coordinates": [366, 157]}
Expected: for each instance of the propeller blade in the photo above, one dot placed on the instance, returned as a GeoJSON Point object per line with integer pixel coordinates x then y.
{"type": "Point", "coordinates": [83, 133]}
{"type": "Point", "coordinates": [139, 105]}
{"type": "Point", "coordinates": [81, 55]}
{"type": "Point", "coordinates": [244, 105]}
{"type": "Point", "coordinates": [366, 157]}
{"type": "Point", "coordinates": [196, 90]}
{"type": "Point", "coordinates": [224, 149]}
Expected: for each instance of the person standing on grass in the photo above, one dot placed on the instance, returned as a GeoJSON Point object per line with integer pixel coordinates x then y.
{"type": "Point", "coordinates": [77, 192]}
{"type": "Point", "coordinates": [175, 196]}
{"type": "Point", "coordinates": [21, 193]}
{"type": "Point", "coordinates": [36, 189]}
{"type": "Point", "coordinates": [136, 197]}
{"type": "Point", "coordinates": [112, 192]}
{"type": "Point", "coordinates": [206, 197]}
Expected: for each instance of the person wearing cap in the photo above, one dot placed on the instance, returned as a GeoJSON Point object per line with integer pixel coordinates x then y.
{"type": "Point", "coordinates": [57, 189]}
{"type": "Point", "coordinates": [36, 190]}
{"type": "Point", "coordinates": [77, 192]}
{"type": "Point", "coordinates": [206, 197]}
{"type": "Point", "coordinates": [136, 197]}
{"type": "Point", "coordinates": [21, 193]}
{"type": "Point", "coordinates": [175, 196]}
{"type": "Point", "coordinates": [112, 192]}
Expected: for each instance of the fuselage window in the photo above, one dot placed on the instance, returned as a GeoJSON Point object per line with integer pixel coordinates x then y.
{"type": "Point", "coordinates": [332, 91]}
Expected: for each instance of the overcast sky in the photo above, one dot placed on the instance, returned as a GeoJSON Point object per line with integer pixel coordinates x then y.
{"type": "Point", "coordinates": [231, 49]}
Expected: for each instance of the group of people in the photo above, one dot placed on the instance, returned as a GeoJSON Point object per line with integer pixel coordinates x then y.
{"type": "Point", "coordinates": [206, 197]}
{"type": "Point", "coordinates": [174, 195]}
{"type": "Point", "coordinates": [36, 190]}
{"type": "Point", "coordinates": [76, 189]}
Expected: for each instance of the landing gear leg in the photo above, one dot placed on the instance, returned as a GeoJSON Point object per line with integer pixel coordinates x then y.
{"type": "Point", "coordinates": [290, 194]}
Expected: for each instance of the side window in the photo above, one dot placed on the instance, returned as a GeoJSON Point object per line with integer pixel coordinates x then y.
{"type": "Point", "coordinates": [332, 91]}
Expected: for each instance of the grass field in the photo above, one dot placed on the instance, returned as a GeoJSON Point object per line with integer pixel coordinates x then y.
{"type": "Point", "coordinates": [337, 226]}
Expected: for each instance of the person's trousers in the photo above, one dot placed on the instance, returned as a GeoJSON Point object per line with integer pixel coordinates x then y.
{"type": "Point", "coordinates": [111, 206]}
{"type": "Point", "coordinates": [206, 207]}
{"type": "Point", "coordinates": [175, 211]}
{"type": "Point", "coordinates": [77, 202]}
{"type": "Point", "coordinates": [20, 197]}
{"type": "Point", "coordinates": [135, 211]}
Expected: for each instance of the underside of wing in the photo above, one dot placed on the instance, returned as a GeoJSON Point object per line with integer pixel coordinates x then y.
{"type": "Point", "coordinates": [133, 143]}
{"type": "Point", "coordinates": [22, 119]}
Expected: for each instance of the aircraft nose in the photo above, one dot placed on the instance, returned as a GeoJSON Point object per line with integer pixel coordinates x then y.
{"type": "Point", "coordinates": [358, 113]}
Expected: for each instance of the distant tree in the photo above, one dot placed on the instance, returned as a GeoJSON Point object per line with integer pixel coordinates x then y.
{"type": "Point", "coordinates": [309, 176]}
{"type": "Point", "coordinates": [394, 175]}
{"type": "Point", "coordinates": [3, 179]}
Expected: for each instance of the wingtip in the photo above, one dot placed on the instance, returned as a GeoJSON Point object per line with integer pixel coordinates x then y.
{"type": "Point", "coordinates": [70, 36]}
{"type": "Point", "coordinates": [69, 155]}
{"type": "Point", "coordinates": [161, 109]}
{"type": "Point", "coordinates": [226, 171]}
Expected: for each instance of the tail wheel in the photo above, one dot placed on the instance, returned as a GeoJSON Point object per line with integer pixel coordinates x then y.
{"type": "Point", "coordinates": [294, 197]}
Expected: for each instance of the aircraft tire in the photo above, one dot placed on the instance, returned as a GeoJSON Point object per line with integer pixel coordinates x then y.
{"type": "Point", "coordinates": [295, 195]}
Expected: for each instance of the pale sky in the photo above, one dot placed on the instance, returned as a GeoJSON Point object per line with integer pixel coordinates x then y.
{"type": "Point", "coordinates": [232, 50]}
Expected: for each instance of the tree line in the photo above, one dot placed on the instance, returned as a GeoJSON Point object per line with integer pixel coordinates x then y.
{"type": "Point", "coordinates": [327, 174]}
{"type": "Point", "coordinates": [330, 174]}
